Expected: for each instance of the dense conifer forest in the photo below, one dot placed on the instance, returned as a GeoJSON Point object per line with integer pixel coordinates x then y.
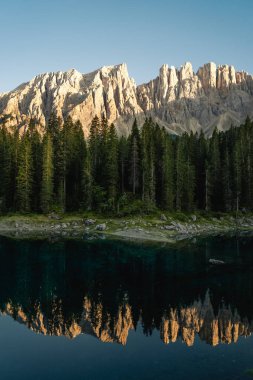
{"type": "Point", "coordinates": [60, 170]}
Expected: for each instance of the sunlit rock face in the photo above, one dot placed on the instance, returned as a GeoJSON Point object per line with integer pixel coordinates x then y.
{"type": "Point", "coordinates": [179, 99]}
{"type": "Point", "coordinates": [92, 320]}
{"type": "Point", "coordinates": [108, 91]}
{"type": "Point", "coordinates": [182, 323]}
{"type": "Point", "coordinates": [224, 327]}
{"type": "Point", "coordinates": [216, 96]}
{"type": "Point", "coordinates": [108, 288]}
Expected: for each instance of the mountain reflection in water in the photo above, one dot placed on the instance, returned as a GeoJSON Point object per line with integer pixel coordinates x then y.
{"type": "Point", "coordinates": [106, 288]}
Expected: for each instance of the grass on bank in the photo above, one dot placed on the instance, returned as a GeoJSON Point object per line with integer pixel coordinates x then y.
{"type": "Point", "coordinates": [154, 218]}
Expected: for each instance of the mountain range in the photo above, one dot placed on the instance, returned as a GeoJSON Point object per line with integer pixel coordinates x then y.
{"type": "Point", "coordinates": [183, 323]}
{"type": "Point", "coordinates": [179, 99]}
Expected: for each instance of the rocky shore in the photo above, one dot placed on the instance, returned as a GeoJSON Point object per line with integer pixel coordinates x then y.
{"type": "Point", "coordinates": [163, 228]}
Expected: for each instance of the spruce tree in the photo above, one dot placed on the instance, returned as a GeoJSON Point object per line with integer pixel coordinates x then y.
{"type": "Point", "coordinates": [11, 196]}
{"type": "Point", "coordinates": [237, 174]}
{"type": "Point", "coordinates": [111, 166]}
{"type": "Point", "coordinates": [201, 171]}
{"type": "Point", "coordinates": [123, 159]}
{"type": "Point", "coordinates": [148, 162]}
{"type": "Point", "coordinates": [47, 186]}
{"type": "Point", "coordinates": [86, 180]}
{"type": "Point", "coordinates": [180, 174]}
{"type": "Point", "coordinates": [215, 174]}
{"type": "Point", "coordinates": [165, 171]}
{"type": "Point", "coordinates": [54, 128]}
{"type": "Point", "coordinates": [36, 148]}
{"type": "Point", "coordinates": [94, 146]}
{"type": "Point", "coordinates": [135, 159]}
{"type": "Point", "coordinates": [5, 168]}
{"type": "Point", "coordinates": [226, 182]}
{"type": "Point", "coordinates": [185, 175]}
{"type": "Point", "coordinates": [24, 175]}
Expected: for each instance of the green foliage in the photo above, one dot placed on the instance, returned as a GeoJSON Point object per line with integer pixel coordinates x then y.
{"type": "Point", "coordinates": [148, 162]}
{"type": "Point", "coordinates": [185, 174]}
{"type": "Point", "coordinates": [47, 186]}
{"type": "Point", "coordinates": [5, 165]}
{"type": "Point", "coordinates": [24, 175]}
{"type": "Point", "coordinates": [135, 159]}
{"type": "Point", "coordinates": [86, 182]}
{"type": "Point", "coordinates": [165, 171]}
{"type": "Point", "coordinates": [36, 148]}
{"type": "Point", "coordinates": [125, 175]}
{"type": "Point", "coordinates": [128, 205]}
{"type": "Point", "coordinates": [111, 166]}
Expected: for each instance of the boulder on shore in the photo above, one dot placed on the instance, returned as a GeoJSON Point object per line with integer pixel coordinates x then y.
{"type": "Point", "coordinates": [89, 222]}
{"type": "Point", "coordinates": [101, 227]}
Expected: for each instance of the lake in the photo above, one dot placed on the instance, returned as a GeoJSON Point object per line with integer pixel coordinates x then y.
{"type": "Point", "coordinates": [107, 309]}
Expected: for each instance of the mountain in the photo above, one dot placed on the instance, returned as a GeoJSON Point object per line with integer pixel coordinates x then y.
{"type": "Point", "coordinates": [179, 99]}
{"type": "Point", "coordinates": [183, 323]}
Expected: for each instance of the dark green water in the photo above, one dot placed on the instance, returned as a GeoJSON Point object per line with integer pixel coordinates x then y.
{"type": "Point", "coordinates": [118, 310]}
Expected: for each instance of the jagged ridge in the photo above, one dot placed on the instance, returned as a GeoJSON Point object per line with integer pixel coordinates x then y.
{"type": "Point", "coordinates": [183, 323]}
{"type": "Point", "coordinates": [179, 99]}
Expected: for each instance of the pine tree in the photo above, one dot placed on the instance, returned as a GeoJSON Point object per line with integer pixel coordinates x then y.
{"type": "Point", "coordinates": [237, 173]}
{"type": "Point", "coordinates": [165, 171]}
{"type": "Point", "coordinates": [11, 196]}
{"type": "Point", "coordinates": [208, 186]}
{"type": "Point", "coordinates": [180, 174]}
{"type": "Point", "coordinates": [73, 156]}
{"type": "Point", "coordinates": [226, 182]}
{"type": "Point", "coordinates": [65, 145]}
{"type": "Point", "coordinates": [185, 175]}
{"type": "Point", "coordinates": [123, 158]}
{"type": "Point", "coordinates": [215, 175]}
{"type": "Point", "coordinates": [201, 171]}
{"type": "Point", "coordinates": [148, 162]}
{"type": "Point", "coordinates": [86, 180]}
{"type": "Point", "coordinates": [5, 168]}
{"type": "Point", "coordinates": [54, 128]}
{"type": "Point", "coordinates": [135, 159]}
{"type": "Point", "coordinates": [190, 189]}
{"type": "Point", "coordinates": [76, 166]}
{"type": "Point", "coordinates": [24, 175]}
{"type": "Point", "coordinates": [94, 146]}
{"type": "Point", "coordinates": [171, 172]}
{"type": "Point", "coordinates": [36, 148]}
{"type": "Point", "coordinates": [246, 137]}
{"type": "Point", "coordinates": [111, 166]}
{"type": "Point", "coordinates": [47, 186]}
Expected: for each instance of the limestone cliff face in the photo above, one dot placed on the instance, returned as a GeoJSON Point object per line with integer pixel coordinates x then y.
{"type": "Point", "coordinates": [179, 99]}
{"type": "Point", "coordinates": [185, 101]}
{"type": "Point", "coordinates": [199, 318]}
{"type": "Point", "coordinates": [183, 322]}
{"type": "Point", "coordinates": [93, 321]}
{"type": "Point", "coordinates": [108, 91]}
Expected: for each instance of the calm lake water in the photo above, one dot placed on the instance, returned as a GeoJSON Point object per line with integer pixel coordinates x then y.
{"type": "Point", "coordinates": [119, 310]}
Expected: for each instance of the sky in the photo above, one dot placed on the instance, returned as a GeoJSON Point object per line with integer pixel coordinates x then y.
{"type": "Point", "coordinates": [39, 36]}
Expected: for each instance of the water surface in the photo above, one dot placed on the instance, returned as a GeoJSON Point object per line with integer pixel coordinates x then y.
{"type": "Point", "coordinates": [119, 310]}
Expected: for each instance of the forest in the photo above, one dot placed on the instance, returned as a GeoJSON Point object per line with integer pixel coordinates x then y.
{"type": "Point", "coordinates": [150, 169]}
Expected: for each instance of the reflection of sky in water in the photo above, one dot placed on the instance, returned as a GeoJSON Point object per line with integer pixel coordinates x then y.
{"type": "Point", "coordinates": [136, 295]}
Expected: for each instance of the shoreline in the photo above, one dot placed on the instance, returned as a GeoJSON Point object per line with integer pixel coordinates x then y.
{"type": "Point", "coordinates": [163, 228]}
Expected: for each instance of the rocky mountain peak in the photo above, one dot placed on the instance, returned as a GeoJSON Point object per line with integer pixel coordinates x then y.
{"type": "Point", "coordinates": [186, 71]}
{"type": "Point", "coordinates": [179, 99]}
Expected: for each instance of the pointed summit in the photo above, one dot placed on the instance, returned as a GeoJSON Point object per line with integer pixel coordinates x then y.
{"type": "Point", "coordinates": [179, 99]}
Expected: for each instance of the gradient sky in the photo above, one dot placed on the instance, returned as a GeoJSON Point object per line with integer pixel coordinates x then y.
{"type": "Point", "coordinates": [49, 35]}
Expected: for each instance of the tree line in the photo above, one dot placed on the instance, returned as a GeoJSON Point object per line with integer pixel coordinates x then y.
{"type": "Point", "coordinates": [61, 170]}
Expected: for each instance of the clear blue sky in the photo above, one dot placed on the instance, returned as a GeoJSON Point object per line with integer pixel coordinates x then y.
{"type": "Point", "coordinates": [49, 35]}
